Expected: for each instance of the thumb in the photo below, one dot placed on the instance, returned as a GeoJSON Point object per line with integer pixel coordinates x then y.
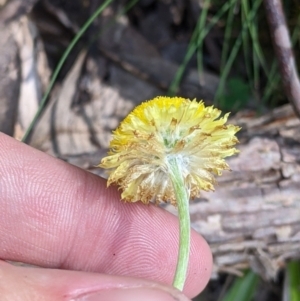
{"type": "Point", "coordinates": [30, 283]}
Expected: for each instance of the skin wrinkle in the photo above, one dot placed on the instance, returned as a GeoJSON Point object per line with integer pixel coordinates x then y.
{"type": "Point", "coordinates": [62, 218]}
{"type": "Point", "coordinates": [75, 215]}
{"type": "Point", "coordinates": [88, 216]}
{"type": "Point", "coordinates": [139, 240]}
{"type": "Point", "coordinates": [78, 214]}
{"type": "Point", "coordinates": [90, 208]}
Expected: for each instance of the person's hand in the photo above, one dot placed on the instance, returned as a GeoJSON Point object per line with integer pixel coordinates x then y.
{"type": "Point", "coordinates": [88, 243]}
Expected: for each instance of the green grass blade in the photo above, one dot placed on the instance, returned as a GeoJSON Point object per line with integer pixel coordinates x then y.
{"type": "Point", "coordinates": [227, 68]}
{"type": "Point", "coordinates": [234, 52]}
{"type": "Point", "coordinates": [243, 288]}
{"type": "Point", "coordinates": [227, 35]}
{"type": "Point", "coordinates": [193, 46]}
{"type": "Point", "coordinates": [246, 43]}
{"type": "Point", "coordinates": [61, 63]}
{"type": "Point", "coordinates": [179, 74]}
{"type": "Point", "coordinates": [257, 56]}
{"type": "Point", "coordinates": [292, 281]}
{"type": "Point", "coordinates": [273, 82]}
{"type": "Point", "coordinates": [201, 26]}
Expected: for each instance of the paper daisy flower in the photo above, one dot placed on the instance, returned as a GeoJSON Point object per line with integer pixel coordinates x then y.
{"type": "Point", "coordinates": [169, 149]}
{"type": "Point", "coordinates": [163, 130]}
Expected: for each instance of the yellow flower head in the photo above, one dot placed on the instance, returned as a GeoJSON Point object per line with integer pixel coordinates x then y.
{"type": "Point", "coordinates": [165, 128]}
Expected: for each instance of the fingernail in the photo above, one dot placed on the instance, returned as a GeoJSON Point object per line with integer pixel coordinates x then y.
{"type": "Point", "coordinates": [133, 294]}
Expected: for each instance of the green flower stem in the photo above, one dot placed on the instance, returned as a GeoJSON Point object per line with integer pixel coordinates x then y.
{"type": "Point", "coordinates": [182, 197]}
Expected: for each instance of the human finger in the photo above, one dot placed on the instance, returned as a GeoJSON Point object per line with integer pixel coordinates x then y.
{"type": "Point", "coordinates": [56, 215]}
{"type": "Point", "coordinates": [25, 283]}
